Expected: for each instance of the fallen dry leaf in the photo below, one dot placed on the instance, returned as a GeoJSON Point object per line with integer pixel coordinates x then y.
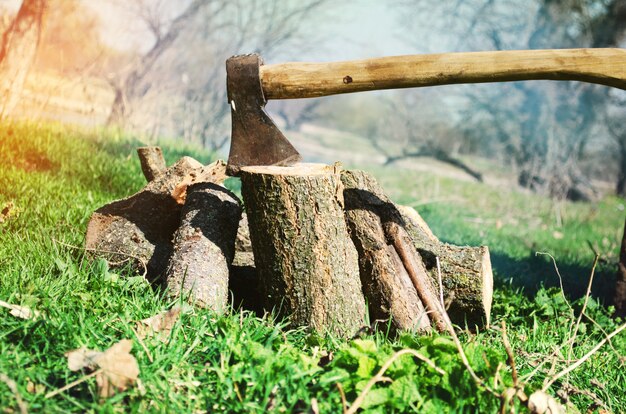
{"type": "Point", "coordinates": [557, 235]}
{"type": "Point", "coordinates": [34, 388]}
{"type": "Point", "coordinates": [8, 211]}
{"type": "Point", "coordinates": [159, 325]}
{"type": "Point", "coordinates": [117, 367]}
{"type": "Point", "coordinates": [20, 311]}
{"type": "Point", "coordinates": [540, 402]}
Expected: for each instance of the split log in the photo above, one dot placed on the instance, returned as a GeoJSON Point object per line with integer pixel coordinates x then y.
{"type": "Point", "coordinates": [152, 162]}
{"type": "Point", "coordinates": [204, 246]}
{"type": "Point", "coordinates": [307, 264]}
{"type": "Point", "coordinates": [386, 284]}
{"type": "Point", "coordinates": [136, 232]}
{"type": "Point", "coordinates": [466, 272]}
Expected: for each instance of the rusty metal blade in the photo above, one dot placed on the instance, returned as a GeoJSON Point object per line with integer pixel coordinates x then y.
{"type": "Point", "coordinates": [255, 139]}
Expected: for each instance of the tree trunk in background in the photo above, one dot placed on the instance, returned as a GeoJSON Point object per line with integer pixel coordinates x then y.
{"type": "Point", "coordinates": [127, 89]}
{"type": "Point", "coordinates": [619, 298]}
{"type": "Point", "coordinates": [307, 265]}
{"type": "Point", "coordinates": [17, 53]}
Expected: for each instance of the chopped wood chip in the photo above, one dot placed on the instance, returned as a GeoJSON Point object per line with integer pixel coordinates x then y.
{"type": "Point", "coordinates": [159, 325]}
{"type": "Point", "coordinates": [35, 388]}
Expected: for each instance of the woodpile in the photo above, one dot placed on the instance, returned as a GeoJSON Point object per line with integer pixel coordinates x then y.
{"type": "Point", "coordinates": [320, 245]}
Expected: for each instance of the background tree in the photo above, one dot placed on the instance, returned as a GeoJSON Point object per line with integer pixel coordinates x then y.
{"type": "Point", "coordinates": [541, 128]}
{"type": "Point", "coordinates": [17, 52]}
{"type": "Point", "coordinates": [177, 88]}
{"type": "Point", "coordinates": [71, 45]}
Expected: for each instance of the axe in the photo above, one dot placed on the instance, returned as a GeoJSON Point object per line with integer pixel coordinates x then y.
{"type": "Point", "coordinates": [256, 140]}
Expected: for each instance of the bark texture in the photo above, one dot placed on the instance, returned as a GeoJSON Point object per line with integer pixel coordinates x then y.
{"type": "Point", "coordinates": [152, 162]}
{"type": "Point", "coordinates": [465, 271]}
{"type": "Point", "coordinates": [386, 284]}
{"type": "Point", "coordinates": [307, 264]}
{"type": "Point", "coordinates": [17, 52]}
{"type": "Point", "coordinates": [204, 246]}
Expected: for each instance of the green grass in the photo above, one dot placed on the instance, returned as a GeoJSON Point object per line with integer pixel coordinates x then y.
{"type": "Point", "coordinates": [56, 176]}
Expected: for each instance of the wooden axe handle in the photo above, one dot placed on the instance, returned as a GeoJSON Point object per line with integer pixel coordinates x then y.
{"type": "Point", "coordinates": [307, 80]}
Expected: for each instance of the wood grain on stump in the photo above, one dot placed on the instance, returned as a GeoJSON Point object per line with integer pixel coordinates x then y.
{"type": "Point", "coordinates": [307, 264]}
{"type": "Point", "coordinates": [204, 246]}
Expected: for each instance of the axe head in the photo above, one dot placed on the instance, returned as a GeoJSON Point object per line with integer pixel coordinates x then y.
{"type": "Point", "coordinates": [255, 139]}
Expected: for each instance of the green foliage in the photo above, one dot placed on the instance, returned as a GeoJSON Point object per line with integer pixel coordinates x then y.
{"type": "Point", "coordinates": [240, 362]}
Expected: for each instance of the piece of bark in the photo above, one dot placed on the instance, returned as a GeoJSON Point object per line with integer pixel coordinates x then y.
{"type": "Point", "coordinates": [467, 279]}
{"type": "Point", "coordinates": [386, 284]}
{"type": "Point", "coordinates": [152, 162]}
{"type": "Point", "coordinates": [466, 272]}
{"type": "Point", "coordinates": [619, 297]}
{"type": "Point", "coordinates": [204, 246]}
{"type": "Point", "coordinates": [307, 264]}
{"type": "Point", "coordinates": [136, 232]}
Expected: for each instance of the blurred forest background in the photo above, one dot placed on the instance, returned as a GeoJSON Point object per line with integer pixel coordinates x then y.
{"type": "Point", "coordinates": [155, 68]}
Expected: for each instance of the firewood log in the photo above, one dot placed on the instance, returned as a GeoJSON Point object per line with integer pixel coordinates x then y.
{"type": "Point", "coordinates": [204, 246]}
{"type": "Point", "coordinates": [307, 264]}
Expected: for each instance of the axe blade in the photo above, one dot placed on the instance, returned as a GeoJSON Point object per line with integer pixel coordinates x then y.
{"type": "Point", "coordinates": [255, 139]}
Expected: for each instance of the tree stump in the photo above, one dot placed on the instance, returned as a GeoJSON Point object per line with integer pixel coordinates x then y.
{"type": "Point", "coordinates": [204, 246]}
{"type": "Point", "coordinates": [466, 273]}
{"type": "Point", "coordinates": [306, 262]}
